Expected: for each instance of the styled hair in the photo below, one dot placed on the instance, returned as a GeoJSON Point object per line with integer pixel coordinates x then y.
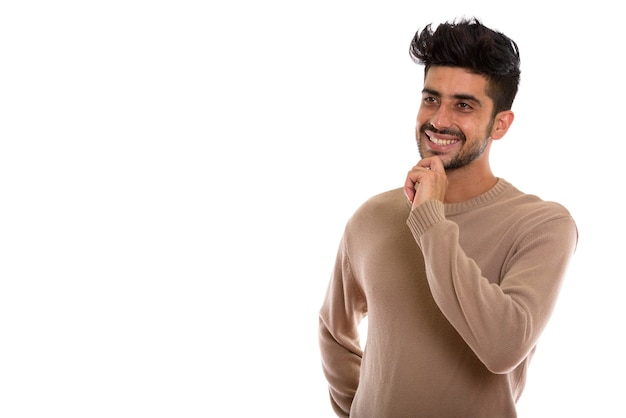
{"type": "Point", "coordinates": [469, 44]}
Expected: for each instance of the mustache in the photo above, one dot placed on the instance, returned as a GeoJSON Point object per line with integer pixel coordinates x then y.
{"type": "Point", "coordinates": [429, 127]}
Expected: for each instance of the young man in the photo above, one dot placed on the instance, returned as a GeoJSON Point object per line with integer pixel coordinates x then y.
{"type": "Point", "coordinates": [458, 272]}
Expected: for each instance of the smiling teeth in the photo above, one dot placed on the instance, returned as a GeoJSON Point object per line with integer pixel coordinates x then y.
{"type": "Point", "coordinates": [442, 141]}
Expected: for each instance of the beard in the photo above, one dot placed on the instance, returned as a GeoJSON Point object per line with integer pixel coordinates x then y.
{"type": "Point", "coordinates": [465, 156]}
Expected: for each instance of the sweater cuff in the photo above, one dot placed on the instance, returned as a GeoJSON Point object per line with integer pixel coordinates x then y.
{"type": "Point", "coordinates": [424, 216]}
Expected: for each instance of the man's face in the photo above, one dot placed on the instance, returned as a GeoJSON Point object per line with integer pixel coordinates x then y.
{"type": "Point", "coordinates": [455, 120]}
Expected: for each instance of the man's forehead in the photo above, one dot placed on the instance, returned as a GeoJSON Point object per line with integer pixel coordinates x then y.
{"type": "Point", "coordinates": [455, 82]}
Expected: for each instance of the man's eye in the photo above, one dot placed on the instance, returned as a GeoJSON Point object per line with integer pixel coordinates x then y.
{"type": "Point", "coordinates": [465, 106]}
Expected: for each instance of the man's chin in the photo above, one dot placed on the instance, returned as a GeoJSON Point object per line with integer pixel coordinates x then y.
{"type": "Point", "coordinates": [445, 159]}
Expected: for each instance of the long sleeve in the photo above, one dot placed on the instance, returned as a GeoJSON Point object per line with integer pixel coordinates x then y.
{"type": "Point", "coordinates": [456, 297]}
{"type": "Point", "coordinates": [500, 310]}
{"type": "Point", "coordinates": [342, 310]}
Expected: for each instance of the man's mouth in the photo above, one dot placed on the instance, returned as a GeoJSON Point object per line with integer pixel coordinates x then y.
{"type": "Point", "coordinates": [440, 141]}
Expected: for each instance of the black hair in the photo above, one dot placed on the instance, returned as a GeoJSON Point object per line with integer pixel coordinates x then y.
{"type": "Point", "coordinates": [471, 45]}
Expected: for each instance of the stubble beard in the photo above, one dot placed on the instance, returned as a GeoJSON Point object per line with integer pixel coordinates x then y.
{"type": "Point", "coordinates": [464, 156]}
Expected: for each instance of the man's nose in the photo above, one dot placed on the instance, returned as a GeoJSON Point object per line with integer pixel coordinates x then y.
{"type": "Point", "coordinates": [442, 118]}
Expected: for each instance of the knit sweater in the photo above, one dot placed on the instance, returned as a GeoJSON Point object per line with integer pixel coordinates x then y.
{"type": "Point", "coordinates": [456, 297]}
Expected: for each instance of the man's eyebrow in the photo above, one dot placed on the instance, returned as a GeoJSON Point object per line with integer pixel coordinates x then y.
{"type": "Point", "coordinates": [467, 97]}
{"type": "Point", "coordinates": [431, 92]}
{"type": "Point", "coordinates": [459, 96]}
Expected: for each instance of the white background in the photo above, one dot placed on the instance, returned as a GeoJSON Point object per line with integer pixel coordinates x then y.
{"type": "Point", "coordinates": [175, 177]}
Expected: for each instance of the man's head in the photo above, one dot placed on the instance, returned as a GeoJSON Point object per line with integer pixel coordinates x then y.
{"type": "Point", "coordinates": [471, 45]}
{"type": "Point", "coordinates": [471, 78]}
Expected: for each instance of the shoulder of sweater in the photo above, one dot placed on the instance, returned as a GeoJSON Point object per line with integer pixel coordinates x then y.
{"type": "Point", "coordinates": [386, 205]}
{"type": "Point", "coordinates": [385, 201]}
{"type": "Point", "coordinates": [522, 210]}
{"type": "Point", "coordinates": [531, 203]}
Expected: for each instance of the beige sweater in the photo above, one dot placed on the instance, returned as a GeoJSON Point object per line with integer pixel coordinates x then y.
{"type": "Point", "coordinates": [456, 297]}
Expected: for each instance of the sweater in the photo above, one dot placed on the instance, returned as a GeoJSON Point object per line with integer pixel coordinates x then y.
{"type": "Point", "coordinates": [456, 297]}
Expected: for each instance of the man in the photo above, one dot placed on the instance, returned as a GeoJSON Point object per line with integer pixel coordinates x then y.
{"type": "Point", "coordinates": [458, 272]}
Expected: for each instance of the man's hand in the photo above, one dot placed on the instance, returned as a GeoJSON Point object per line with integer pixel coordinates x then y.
{"type": "Point", "coordinates": [427, 180]}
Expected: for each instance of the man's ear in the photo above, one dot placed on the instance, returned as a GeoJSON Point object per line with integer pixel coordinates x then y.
{"type": "Point", "coordinates": [502, 123]}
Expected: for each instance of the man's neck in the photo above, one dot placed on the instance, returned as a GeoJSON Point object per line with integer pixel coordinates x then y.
{"type": "Point", "coordinates": [467, 184]}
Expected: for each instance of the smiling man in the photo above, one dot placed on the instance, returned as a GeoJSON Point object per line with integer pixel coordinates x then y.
{"type": "Point", "coordinates": [458, 271]}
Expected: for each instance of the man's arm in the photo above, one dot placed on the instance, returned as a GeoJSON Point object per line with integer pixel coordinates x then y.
{"type": "Point", "coordinates": [339, 318]}
{"type": "Point", "coordinates": [500, 322]}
